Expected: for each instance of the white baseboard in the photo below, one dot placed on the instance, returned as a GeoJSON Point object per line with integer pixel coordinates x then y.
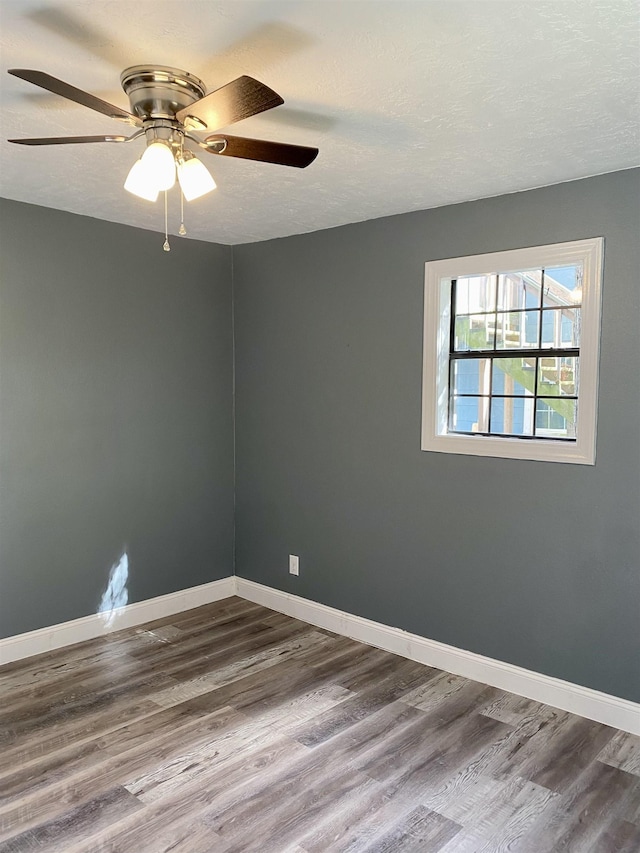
{"type": "Point", "coordinates": [90, 627]}
{"type": "Point", "coordinates": [592, 704]}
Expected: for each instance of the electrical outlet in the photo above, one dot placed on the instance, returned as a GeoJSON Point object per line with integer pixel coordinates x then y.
{"type": "Point", "coordinates": [294, 564]}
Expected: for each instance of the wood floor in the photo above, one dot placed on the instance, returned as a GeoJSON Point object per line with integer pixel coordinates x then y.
{"type": "Point", "coordinates": [234, 728]}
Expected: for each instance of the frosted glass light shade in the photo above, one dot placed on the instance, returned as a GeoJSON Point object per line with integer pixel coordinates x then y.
{"type": "Point", "coordinates": [195, 179]}
{"type": "Point", "coordinates": [158, 159]}
{"type": "Point", "coordinates": [141, 182]}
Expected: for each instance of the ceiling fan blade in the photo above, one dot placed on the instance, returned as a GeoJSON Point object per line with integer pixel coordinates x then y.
{"type": "Point", "coordinates": [59, 87]}
{"type": "Point", "coordinates": [280, 153]}
{"type": "Point", "coordinates": [68, 140]}
{"type": "Point", "coordinates": [242, 98]}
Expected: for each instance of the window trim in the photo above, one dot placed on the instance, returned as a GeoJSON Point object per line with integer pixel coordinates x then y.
{"type": "Point", "coordinates": [435, 374]}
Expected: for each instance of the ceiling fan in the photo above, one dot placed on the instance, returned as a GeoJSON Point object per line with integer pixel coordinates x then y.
{"type": "Point", "coordinates": [169, 106]}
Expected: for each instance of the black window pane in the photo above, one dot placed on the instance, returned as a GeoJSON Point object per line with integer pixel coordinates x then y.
{"type": "Point", "coordinates": [517, 329]}
{"type": "Point", "coordinates": [475, 294]}
{"type": "Point", "coordinates": [556, 418]}
{"type": "Point", "coordinates": [561, 327]}
{"type": "Point", "coordinates": [563, 285]}
{"type": "Point", "coordinates": [514, 376]}
{"type": "Point", "coordinates": [558, 376]}
{"type": "Point", "coordinates": [471, 375]}
{"type": "Point", "coordinates": [519, 290]}
{"type": "Point", "coordinates": [474, 332]}
{"type": "Point", "coordinates": [512, 415]}
{"type": "Point", "coordinates": [469, 414]}
{"type": "Point", "coordinates": [514, 319]}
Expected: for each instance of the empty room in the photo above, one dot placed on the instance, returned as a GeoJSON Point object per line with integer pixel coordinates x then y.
{"type": "Point", "coordinates": [320, 426]}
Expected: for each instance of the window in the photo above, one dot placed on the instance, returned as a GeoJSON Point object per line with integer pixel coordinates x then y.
{"type": "Point", "coordinates": [511, 353]}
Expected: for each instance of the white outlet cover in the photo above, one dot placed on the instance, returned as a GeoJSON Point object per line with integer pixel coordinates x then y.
{"type": "Point", "coordinates": [294, 564]}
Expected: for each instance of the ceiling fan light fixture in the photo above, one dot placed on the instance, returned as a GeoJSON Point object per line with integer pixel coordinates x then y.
{"type": "Point", "coordinates": [140, 182]}
{"type": "Point", "coordinates": [194, 177]}
{"type": "Point", "coordinates": [167, 105]}
{"type": "Point", "coordinates": [159, 162]}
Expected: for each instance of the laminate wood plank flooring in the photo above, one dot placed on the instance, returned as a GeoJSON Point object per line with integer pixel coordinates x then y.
{"type": "Point", "coordinates": [231, 728]}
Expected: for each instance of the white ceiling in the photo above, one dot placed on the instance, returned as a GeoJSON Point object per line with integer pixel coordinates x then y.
{"type": "Point", "coordinates": [412, 104]}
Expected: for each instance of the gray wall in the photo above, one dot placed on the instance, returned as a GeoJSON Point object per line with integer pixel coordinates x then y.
{"type": "Point", "coordinates": [115, 414]}
{"type": "Point", "coordinates": [116, 431]}
{"type": "Point", "coordinates": [528, 562]}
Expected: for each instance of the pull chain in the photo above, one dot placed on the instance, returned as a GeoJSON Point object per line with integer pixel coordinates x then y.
{"type": "Point", "coordinates": [182, 230]}
{"type": "Point", "coordinates": [166, 245]}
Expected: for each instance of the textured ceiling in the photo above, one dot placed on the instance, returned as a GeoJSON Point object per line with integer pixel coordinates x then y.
{"type": "Point", "coordinates": [412, 104]}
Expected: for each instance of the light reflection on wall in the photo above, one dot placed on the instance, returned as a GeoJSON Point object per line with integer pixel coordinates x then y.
{"type": "Point", "coordinates": [116, 594]}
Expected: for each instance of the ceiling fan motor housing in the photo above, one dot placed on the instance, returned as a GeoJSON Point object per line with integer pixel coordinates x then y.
{"type": "Point", "coordinates": [159, 91]}
{"type": "Point", "coordinates": [168, 104]}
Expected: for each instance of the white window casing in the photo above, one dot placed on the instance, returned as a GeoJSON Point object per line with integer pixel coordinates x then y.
{"type": "Point", "coordinates": [437, 322]}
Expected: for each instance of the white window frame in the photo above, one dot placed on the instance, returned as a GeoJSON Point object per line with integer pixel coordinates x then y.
{"type": "Point", "coordinates": [437, 319]}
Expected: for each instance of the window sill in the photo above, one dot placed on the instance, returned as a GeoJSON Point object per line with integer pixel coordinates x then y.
{"type": "Point", "coordinates": [506, 448]}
